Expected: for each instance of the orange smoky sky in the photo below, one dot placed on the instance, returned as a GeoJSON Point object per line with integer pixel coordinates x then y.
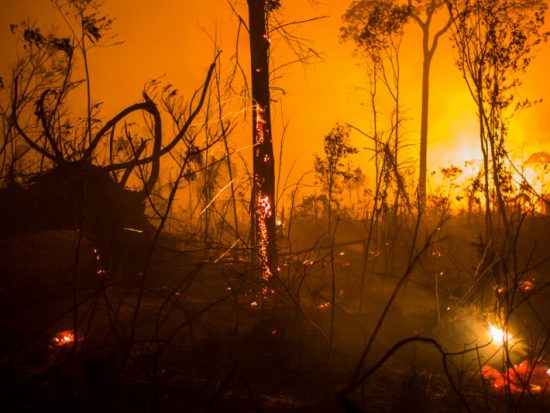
{"type": "Point", "coordinates": [175, 38]}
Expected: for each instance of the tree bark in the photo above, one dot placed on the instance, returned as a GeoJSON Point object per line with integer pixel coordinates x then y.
{"type": "Point", "coordinates": [263, 186]}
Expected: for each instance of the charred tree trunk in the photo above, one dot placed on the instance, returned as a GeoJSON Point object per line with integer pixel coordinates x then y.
{"type": "Point", "coordinates": [263, 186]}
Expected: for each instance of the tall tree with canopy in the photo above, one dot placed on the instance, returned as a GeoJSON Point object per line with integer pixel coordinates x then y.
{"type": "Point", "coordinates": [363, 18]}
{"type": "Point", "coordinates": [495, 43]}
{"type": "Point", "coordinates": [423, 12]}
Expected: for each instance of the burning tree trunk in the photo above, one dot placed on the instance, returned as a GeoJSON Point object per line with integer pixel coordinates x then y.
{"type": "Point", "coordinates": [263, 186]}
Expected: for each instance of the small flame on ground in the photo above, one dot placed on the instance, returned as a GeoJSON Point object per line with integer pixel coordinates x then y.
{"type": "Point", "coordinates": [528, 375]}
{"type": "Point", "coordinates": [63, 338]}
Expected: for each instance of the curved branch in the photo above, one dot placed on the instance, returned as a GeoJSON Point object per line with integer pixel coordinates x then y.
{"type": "Point", "coordinates": [129, 170]}
{"type": "Point", "coordinates": [111, 124]}
{"type": "Point", "coordinates": [236, 13]}
{"type": "Point", "coordinates": [178, 137]}
{"type": "Point", "coordinates": [41, 114]}
{"type": "Point", "coordinates": [20, 130]}
{"type": "Point", "coordinates": [198, 108]}
{"type": "Point", "coordinates": [157, 135]}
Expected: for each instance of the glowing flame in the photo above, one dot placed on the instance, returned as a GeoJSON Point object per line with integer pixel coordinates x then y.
{"type": "Point", "coordinates": [529, 375]}
{"type": "Point", "coordinates": [100, 271]}
{"type": "Point", "coordinates": [264, 207]}
{"type": "Point", "coordinates": [497, 335]}
{"type": "Point", "coordinates": [526, 286]}
{"type": "Point", "coordinates": [263, 212]}
{"type": "Point", "coordinates": [260, 122]}
{"type": "Point", "coordinates": [63, 338]}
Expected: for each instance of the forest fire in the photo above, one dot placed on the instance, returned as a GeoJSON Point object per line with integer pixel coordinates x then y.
{"type": "Point", "coordinates": [367, 238]}
{"type": "Point", "coordinates": [460, 187]}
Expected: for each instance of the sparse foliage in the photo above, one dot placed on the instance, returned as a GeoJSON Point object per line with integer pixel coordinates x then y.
{"type": "Point", "coordinates": [331, 169]}
{"type": "Point", "coordinates": [495, 43]}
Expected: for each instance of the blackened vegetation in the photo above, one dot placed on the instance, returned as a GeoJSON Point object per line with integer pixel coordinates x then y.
{"type": "Point", "coordinates": [76, 196]}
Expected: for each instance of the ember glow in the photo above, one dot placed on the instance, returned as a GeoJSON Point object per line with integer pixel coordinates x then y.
{"type": "Point", "coordinates": [263, 212]}
{"type": "Point", "coordinates": [100, 271]}
{"type": "Point", "coordinates": [62, 339]}
{"type": "Point", "coordinates": [260, 123]}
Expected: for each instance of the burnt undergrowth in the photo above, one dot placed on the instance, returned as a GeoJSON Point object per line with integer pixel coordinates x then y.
{"type": "Point", "coordinates": [206, 338]}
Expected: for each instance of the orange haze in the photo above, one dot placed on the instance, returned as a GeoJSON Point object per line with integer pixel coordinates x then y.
{"type": "Point", "coordinates": [173, 37]}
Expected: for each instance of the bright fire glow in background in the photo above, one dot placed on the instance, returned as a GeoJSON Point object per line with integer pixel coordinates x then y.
{"type": "Point", "coordinates": [180, 48]}
{"type": "Point", "coordinates": [497, 335]}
